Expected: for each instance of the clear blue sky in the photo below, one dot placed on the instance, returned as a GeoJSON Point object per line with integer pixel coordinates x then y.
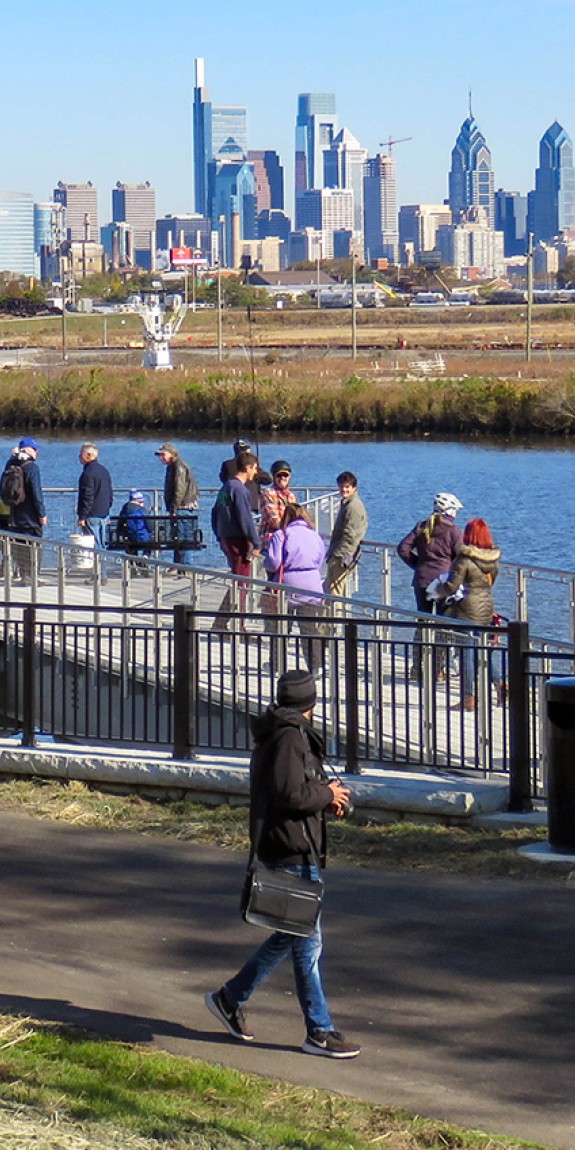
{"type": "Point", "coordinates": [103, 91]}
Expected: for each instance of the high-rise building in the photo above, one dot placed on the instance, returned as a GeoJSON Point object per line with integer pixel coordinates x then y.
{"type": "Point", "coordinates": [316, 126]}
{"type": "Point", "coordinates": [48, 238]}
{"type": "Point", "coordinates": [418, 224]}
{"type": "Point", "coordinates": [327, 210]}
{"type": "Point", "coordinates": [233, 207]}
{"type": "Point", "coordinates": [181, 231]}
{"type": "Point", "coordinates": [472, 243]}
{"type": "Point", "coordinates": [135, 204]}
{"type": "Point", "coordinates": [552, 204]}
{"type": "Point", "coordinates": [471, 175]}
{"type": "Point", "coordinates": [202, 140]}
{"type": "Point", "coordinates": [344, 163]}
{"type": "Point", "coordinates": [381, 234]}
{"type": "Point", "coordinates": [229, 132]}
{"type": "Point", "coordinates": [511, 219]}
{"type": "Point", "coordinates": [269, 178]}
{"type": "Point", "coordinates": [17, 233]}
{"type": "Point", "coordinates": [80, 202]}
{"type": "Point", "coordinates": [117, 239]}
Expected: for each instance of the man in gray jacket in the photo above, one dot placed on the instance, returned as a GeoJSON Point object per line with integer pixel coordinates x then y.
{"type": "Point", "coordinates": [348, 533]}
{"type": "Point", "coordinates": [180, 496]}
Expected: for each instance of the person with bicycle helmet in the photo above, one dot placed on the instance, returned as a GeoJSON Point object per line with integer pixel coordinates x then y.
{"type": "Point", "coordinates": [430, 550]}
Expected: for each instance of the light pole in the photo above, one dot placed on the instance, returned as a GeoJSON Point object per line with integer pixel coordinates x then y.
{"type": "Point", "coordinates": [219, 305]}
{"type": "Point", "coordinates": [529, 297]}
{"type": "Point", "coordinates": [318, 244]}
{"type": "Point", "coordinates": [64, 331]}
{"type": "Point", "coordinates": [353, 310]}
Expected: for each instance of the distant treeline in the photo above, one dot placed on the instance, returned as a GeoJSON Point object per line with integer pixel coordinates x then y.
{"type": "Point", "coordinates": [301, 400]}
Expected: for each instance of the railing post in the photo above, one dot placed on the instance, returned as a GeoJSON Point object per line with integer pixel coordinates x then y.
{"type": "Point", "coordinates": [519, 765]}
{"type": "Point", "coordinates": [185, 684]}
{"type": "Point", "coordinates": [28, 676]}
{"type": "Point", "coordinates": [351, 699]}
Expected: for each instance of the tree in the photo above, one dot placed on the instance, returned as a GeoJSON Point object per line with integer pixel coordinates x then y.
{"type": "Point", "coordinates": [566, 274]}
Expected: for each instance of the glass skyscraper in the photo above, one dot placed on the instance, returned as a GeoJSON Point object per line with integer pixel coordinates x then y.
{"type": "Point", "coordinates": [316, 127]}
{"type": "Point", "coordinates": [552, 203]}
{"type": "Point", "coordinates": [471, 182]}
{"type": "Point", "coordinates": [17, 233]}
{"type": "Point", "coordinates": [202, 142]}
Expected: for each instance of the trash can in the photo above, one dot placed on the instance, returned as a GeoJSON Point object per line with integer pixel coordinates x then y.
{"type": "Point", "coordinates": [81, 557]}
{"type": "Point", "coordinates": [561, 764]}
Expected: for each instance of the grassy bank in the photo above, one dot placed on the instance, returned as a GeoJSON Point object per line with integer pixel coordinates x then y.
{"type": "Point", "coordinates": [65, 1089]}
{"type": "Point", "coordinates": [309, 396]}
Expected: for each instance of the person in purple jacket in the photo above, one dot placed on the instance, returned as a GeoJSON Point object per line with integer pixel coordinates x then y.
{"type": "Point", "coordinates": [297, 552]}
{"type": "Point", "coordinates": [430, 549]}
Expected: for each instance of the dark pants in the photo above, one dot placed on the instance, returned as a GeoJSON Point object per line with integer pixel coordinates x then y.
{"type": "Point", "coordinates": [23, 552]}
{"type": "Point", "coordinates": [308, 616]}
{"type": "Point", "coordinates": [428, 606]}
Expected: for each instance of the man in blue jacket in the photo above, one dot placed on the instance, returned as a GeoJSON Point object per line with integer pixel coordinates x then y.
{"type": "Point", "coordinates": [235, 529]}
{"type": "Point", "coordinates": [95, 495]}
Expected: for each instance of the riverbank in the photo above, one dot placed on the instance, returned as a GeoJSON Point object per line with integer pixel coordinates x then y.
{"type": "Point", "coordinates": [485, 397]}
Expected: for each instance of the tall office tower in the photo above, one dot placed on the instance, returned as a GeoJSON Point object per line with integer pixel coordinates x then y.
{"type": "Point", "coordinates": [471, 176]}
{"type": "Point", "coordinates": [418, 224]}
{"type": "Point", "coordinates": [17, 233]}
{"type": "Point", "coordinates": [316, 126]}
{"type": "Point", "coordinates": [135, 204]}
{"type": "Point", "coordinates": [81, 209]}
{"type": "Point", "coordinates": [344, 163]}
{"type": "Point", "coordinates": [233, 207]}
{"type": "Point", "coordinates": [269, 177]}
{"type": "Point", "coordinates": [48, 238]}
{"type": "Point", "coordinates": [229, 132]}
{"type": "Point", "coordinates": [511, 219]}
{"type": "Point", "coordinates": [327, 210]}
{"type": "Point", "coordinates": [553, 201]}
{"type": "Point", "coordinates": [202, 140]}
{"type": "Point", "coordinates": [381, 232]}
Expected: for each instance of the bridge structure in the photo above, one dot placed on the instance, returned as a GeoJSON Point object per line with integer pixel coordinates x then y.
{"type": "Point", "coordinates": [99, 652]}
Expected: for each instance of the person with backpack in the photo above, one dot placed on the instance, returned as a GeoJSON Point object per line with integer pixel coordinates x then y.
{"type": "Point", "coordinates": [21, 490]}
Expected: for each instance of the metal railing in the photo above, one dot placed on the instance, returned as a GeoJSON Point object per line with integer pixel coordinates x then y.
{"type": "Point", "coordinates": [169, 679]}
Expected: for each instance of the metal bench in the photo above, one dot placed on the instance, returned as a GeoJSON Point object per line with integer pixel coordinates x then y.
{"type": "Point", "coordinates": [168, 534]}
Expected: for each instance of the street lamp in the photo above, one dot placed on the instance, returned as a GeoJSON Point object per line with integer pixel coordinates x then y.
{"type": "Point", "coordinates": [63, 287]}
{"type": "Point", "coordinates": [529, 297]}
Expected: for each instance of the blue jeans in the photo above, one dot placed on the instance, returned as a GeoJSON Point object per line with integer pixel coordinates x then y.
{"type": "Point", "coordinates": [98, 528]}
{"type": "Point", "coordinates": [184, 517]}
{"type": "Point", "coordinates": [469, 655]}
{"type": "Point", "coordinates": [306, 958]}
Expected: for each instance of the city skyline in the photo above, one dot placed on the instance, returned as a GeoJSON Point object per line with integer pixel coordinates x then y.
{"type": "Point", "coordinates": [87, 111]}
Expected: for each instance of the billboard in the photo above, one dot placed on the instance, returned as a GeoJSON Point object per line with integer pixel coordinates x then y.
{"type": "Point", "coordinates": [181, 257]}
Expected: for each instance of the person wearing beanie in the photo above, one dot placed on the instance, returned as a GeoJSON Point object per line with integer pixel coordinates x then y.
{"type": "Point", "coordinates": [289, 797]}
{"type": "Point", "coordinates": [430, 549]}
{"type": "Point", "coordinates": [29, 513]}
{"type": "Point", "coordinates": [134, 526]}
{"type": "Point", "coordinates": [229, 470]}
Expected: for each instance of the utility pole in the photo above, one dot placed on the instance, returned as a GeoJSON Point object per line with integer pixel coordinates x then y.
{"type": "Point", "coordinates": [318, 244]}
{"type": "Point", "coordinates": [353, 310]}
{"type": "Point", "coordinates": [529, 297]}
{"type": "Point", "coordinates": [64, 331]}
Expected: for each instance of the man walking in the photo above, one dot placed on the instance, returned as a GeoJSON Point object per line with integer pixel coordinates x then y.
{"type": "Point", "coordinates": [289, 797]}
{"type": "Point", "coordinates": [181, 495]}
{"type": "Point", "coordinates": [21, 488]}
{"type": "Point", "coordinates": [234, 527]}
{"type": "Point", "coordinates": [95, 495]}
{"type": "Point", "coordinates": [347, 536]}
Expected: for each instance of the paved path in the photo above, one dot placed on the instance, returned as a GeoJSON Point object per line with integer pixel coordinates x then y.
{"type": "Point", "coordinates": [460, 991]}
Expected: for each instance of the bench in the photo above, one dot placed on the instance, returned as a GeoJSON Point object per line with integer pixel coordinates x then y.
{"type": "Point", "coordinates": [168, 534]}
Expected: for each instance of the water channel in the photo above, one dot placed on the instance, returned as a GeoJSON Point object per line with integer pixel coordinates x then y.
{"type": "Point", "coordinates": [523, 490]}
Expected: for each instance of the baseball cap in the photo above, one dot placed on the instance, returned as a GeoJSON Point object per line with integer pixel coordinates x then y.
{"type": "Point", "coordinates": [27, 441]}
{"type": "Point", "coordinates": [137, 496]}
{"type": "Point", "coordinates": [168, 447]}
{"type": "Point", "coordinates": [280, 465]}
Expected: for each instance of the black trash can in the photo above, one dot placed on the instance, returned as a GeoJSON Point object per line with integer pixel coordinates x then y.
{"type": "Point", "coordinates": [561, 761]}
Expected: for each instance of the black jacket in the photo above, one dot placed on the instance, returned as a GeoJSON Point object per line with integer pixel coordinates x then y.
{"type": "Point", "coordinates": [95, 494]}
{"type": "Point", "coordinates": [229, 470]}
{"type": "Point", "coordinates": [26, 516]}
{"type": "Point", "coordinates": [287, 785]}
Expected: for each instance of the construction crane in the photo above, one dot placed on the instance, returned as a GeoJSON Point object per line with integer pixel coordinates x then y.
{"type": "Point", "coordinates": [390, 143]}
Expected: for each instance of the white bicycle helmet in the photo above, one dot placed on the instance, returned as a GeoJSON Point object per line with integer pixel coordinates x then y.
{"type": "Point", "coordinates": [447, 504]}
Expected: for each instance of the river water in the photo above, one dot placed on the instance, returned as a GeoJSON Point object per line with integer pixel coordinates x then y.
{"type": "Point", "coordinates": [523, 490]}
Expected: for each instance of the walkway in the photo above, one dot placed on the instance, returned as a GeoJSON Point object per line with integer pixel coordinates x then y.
{"type": "Point", "coordinates": [460, 992]}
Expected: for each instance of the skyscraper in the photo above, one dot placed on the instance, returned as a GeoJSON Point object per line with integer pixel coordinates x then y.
{"type": "Point", "coordinates": [233, 207]}
{"type": "Point", "coordinates": [202, 142]}
{"type": "Point", "coordinates": [553, 201]}
{"type": "Point", "coordinates": [316, 126]}
{"type": "Point", "coordinates": [381, 232]}
{"type": "Point", "coordinates": [229, 131]}
{"type": "Point", "coordinates": [81, 209]}
{"type": "Point", "coordinates": [17, 233]}
{"type": "Point", "coordinates": [511, 219]}
{"type": "Point", "coordinates": [135, 204]}
{"type": "Point", "coordinates": [344, 163]}
{"type": "Point", "coordinates": [471, 176]}
{"type": "Point", "coordinates": [269, 177]}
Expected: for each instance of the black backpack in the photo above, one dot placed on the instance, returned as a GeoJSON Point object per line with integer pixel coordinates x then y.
{"type": "Point", "coordinates": [12, 487]}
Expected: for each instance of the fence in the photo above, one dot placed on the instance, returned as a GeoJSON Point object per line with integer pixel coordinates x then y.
{"type": "Point", "coordinates": [170, 680]}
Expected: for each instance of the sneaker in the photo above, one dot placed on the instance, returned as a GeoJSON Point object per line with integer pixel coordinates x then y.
{"type": "Point", "coordinates": [330, 1044]}
{"type": "Point", "coordinates": [232, 1017]}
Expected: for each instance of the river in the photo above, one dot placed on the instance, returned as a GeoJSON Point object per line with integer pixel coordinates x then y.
{"type": "Point", "coordinates": [523, 490]}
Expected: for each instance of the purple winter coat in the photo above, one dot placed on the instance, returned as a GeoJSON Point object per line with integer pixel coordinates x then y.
{"type": "Point", "coordinates": [433, 557]}
{"type": "Point", "coordinates": [302, 552]}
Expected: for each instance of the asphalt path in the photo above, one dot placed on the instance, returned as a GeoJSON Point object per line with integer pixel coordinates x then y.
{"type": "Point", "coordinates": [460, 991]}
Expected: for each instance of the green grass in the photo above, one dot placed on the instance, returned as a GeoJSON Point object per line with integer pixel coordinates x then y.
{"type": "Point", "coordinates": [399, 846]}
{"type": "Point", "coordinates": [187, 1103]}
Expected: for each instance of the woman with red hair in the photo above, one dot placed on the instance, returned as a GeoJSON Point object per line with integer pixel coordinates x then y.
{"type": "Point", "coordinates": [475, 571]}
